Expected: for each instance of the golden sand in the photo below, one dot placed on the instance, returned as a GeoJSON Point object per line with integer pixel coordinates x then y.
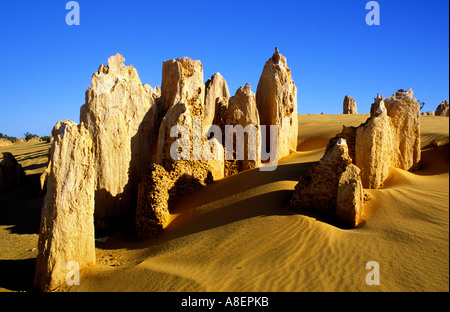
{"type": "Point", "coordinates": [238, 235]}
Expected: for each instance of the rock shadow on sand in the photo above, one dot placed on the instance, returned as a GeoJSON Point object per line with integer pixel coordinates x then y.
{"type": "Point", "coordinates": [434, 160]}
{"type": "Point", "coordinates": [248, 194]}
{"type": "Point", "coordinates": [21, 208]}
{"type": "Point", "coordinates": [17, 275]}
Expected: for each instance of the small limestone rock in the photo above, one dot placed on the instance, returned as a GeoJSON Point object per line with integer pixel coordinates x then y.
{"type": "Point", "coordinates": [66, 233]}
{"type": "Point", "coordinates": [350, 197]}
{"type": "Point", "coordinates": [349, 105]}
{"type": "Point", "coordinates": [429, 113]}
{"type": "Point", "coordinates": [442, 109]}
{"type": "Point", "coordinates": [5, 142]}
{"type": "Point", "coordinates": [332, 188]}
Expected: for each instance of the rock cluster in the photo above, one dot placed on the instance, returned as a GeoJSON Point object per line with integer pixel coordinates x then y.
{"type": "Point", "coordinates": [67, 219]}
{"type": "Point", "coordinates": [429, 113]}
{"type": "Point", "coordinates": [332, 188]}
{"type": "Point", "coordinates": [389, 138]}
{"type": "Point", "coordinates": [349, 105]}
{"type": "Point", "coordinates": [12, 174]}
{"type": "Point", "coordinates": [442, 109]}
{"type": "Point", "coordinates": [137, 149]}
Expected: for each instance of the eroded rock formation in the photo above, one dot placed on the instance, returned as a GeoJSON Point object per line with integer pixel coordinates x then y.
{"type": "Point", "coordinates": [442, 109]}
{"type": "Point", "coordinates": [276, 98]}
{"type": "Point", "coordinates": [349, 105]}
{"type": "Point", "coordinates": [116, 114]}
{"type": "Point", "coordinates": [242, 114]}
{"type": "Point", "coordinates": [389, 138]}
{"type": "Point", "coordinates": [183, 96]}
{"type": "Point", "coordinates": [403, 110]}
{"type": "Point", "coordinates": [159, 188]}
{"type": "Point", "coordinates": [374, 147]}
{"type": "Point", "coordinates": [332, 188]}
{"type": "Point", "coordinates": [216, 96]}
{"type": "Point", "coordinates": [120, 156]}
{"type": "Point", "coordinates": [66, 235]}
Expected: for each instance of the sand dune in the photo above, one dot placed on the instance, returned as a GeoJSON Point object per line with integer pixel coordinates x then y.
{"type": "Point", "coordinates": [238, 235]}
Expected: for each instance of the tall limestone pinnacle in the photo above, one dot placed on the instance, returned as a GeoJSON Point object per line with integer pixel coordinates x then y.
{"type": "Point", "coordinates": [115, 114]}
{"type": "Point", "coordinates": [276, 99]}
{"type": "Point", "coordinates": [67, 234]}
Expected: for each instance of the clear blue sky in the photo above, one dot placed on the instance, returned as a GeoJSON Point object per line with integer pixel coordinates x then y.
{"type": "Point", "coordinates": [47, 65]}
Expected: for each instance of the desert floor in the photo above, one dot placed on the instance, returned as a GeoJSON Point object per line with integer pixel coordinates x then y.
{"type": "Point", "coordinates": [238, 235]}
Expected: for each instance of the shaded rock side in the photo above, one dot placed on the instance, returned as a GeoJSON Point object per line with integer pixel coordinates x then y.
{"type": "Point", "coordinates": [276, 99]}
{"type": "Point", "coordinates": [160, 188]}
{"type": "Point", "coordinates": [403, 110]}
{"type": "Point", "coordinates": [119, 118]}
{"type": "Point", "coordinates": [242, 112]}
{"type": "Point", "coordinates": [349, 105]}
{"type": "Point", "coordinates": [332, 188]}
{"type": "Point", "coordinates": [66, 236]}
{"type": "Point", "coordinates": [349, 134]}
{"type": "Point", "coordinates": [442, 109]}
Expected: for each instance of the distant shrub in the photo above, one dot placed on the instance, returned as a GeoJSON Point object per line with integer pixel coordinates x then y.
{"type": "Point", "coordinates": [45, 138]}
{"type": "Point", "coordinates": [7, 137]}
